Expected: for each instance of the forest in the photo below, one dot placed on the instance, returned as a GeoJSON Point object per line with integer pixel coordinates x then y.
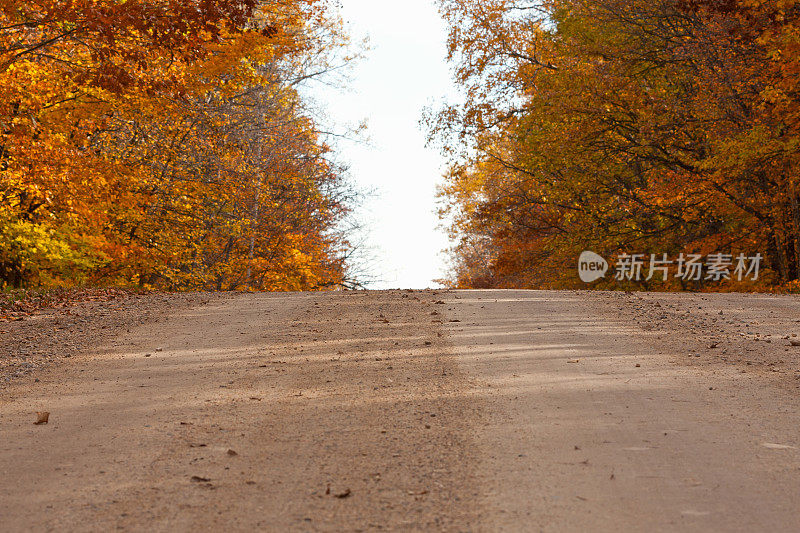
{"type": "Point", "coordinates": [651, 127]}
{"type": "Point", "coordinates": [166, 144]}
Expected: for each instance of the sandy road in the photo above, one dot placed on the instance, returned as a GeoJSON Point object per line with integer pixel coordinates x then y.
{"type": "Point", "coordinates": [453, 411]}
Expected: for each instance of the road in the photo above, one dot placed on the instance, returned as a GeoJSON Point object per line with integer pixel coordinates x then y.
{"type": "Point", "coordinates": [420, 411]}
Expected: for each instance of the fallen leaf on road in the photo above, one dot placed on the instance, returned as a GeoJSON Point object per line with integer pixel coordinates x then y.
{"type": "Point", "coordinates": [343, 495]}
{"type": "Point", "coordinates": [232, 453]}
{"type": "Point", "coordinates": [42, 417]}
{"type": "Point", "coordinates": [198, 479]}
{"type": "Point", "coordinates": [417, 492]}
{"type": "Point", "coordinates": [795, 342]}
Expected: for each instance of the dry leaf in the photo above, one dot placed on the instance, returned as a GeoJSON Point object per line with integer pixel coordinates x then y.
{"type": "Point", "coordinates": [198, 479]}
{"type": "Point", "coordinates": [42, 417]}
{"type": "Point", "coordinates": [343, 495]}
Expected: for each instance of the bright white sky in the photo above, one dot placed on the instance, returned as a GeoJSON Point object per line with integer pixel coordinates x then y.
{"type": "Point", "coordinates": [403, 72]}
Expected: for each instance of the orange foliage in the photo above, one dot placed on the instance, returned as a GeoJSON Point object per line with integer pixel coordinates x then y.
{"type": "Point", "coordinates": [644, 126]}
{"type": "Point", "coordinates": [164, 144]}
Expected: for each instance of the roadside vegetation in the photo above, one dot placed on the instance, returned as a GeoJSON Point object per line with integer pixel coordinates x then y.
{"type": "Point", "coordinates": [636, 126]}
{"type": "Point", "coordinates": [167, 145]}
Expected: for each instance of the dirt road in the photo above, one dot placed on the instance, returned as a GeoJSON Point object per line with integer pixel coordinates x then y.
{"type": "Point", "coordinates": [425, 411]}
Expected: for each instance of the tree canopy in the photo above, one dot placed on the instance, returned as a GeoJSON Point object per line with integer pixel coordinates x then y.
{"type": "Point", "coordinates": [166, 143]}
{"type": "Point", "coordinates": [647, 126]}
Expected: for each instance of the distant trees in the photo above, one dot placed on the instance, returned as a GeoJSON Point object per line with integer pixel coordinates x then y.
{"type": "Point", "coordinates": [648, 126]}
{"type": "Point", "coordinates": [165, 144]}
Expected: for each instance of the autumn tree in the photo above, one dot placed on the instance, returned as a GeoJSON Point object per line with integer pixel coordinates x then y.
{"type": "Point", "coordinates": [166, 144]}
{"type": "Point", "coordinates": [646, 126]}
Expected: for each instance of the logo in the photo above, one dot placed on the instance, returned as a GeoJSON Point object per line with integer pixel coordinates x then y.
{"type": "Point", "coordinates": [591, 267]}
{"type": "Point", "coordinates": [717, 267]}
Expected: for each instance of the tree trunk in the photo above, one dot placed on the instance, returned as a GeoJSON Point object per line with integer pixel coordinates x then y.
{"type": "Point", "coordinates": [795, 231]}
{"type": "Point", "coordinates": [775, 253]}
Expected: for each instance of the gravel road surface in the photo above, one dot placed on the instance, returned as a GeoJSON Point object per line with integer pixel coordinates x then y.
{"type": "Point", "coordinates": [401, 410]}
